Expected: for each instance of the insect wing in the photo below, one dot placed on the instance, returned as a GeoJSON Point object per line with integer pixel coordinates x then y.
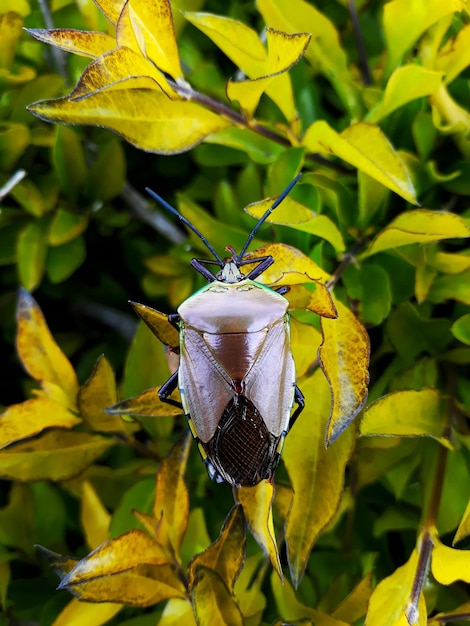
{"type": "Point", "coordinates": [270, 382]}
{"type": "Point", "coordinates": [205, 387]}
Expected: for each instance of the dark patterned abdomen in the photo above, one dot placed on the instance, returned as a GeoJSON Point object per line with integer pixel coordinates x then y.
{"type": "Point", "coordinates": [242, 450]}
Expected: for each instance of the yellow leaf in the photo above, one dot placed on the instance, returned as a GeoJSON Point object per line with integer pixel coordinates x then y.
{"type": "Point", "coordinates": [460, 613]}
{"type": "Point", "coordinates": [114, 69]}
{"type": "Point", "coordinates": [213, 603]}
{"type": "Point", "coordinates": [111, 8]}
{"type": "Point", "coordinates": [344, 359]}
{"type": "Point", "coordinates": [24, 420]}
{"type": "Point", "coordinates": [405, 84]}
{"type": "Point", "coordinates": [146, 403]}
{"type": "Point", "coordinates": [455, 56]}
{"type": "Point", "coordinates": [449, 565]}
{"type": "Point", "coordinates": [392, 596]}
{"type": "Point", "coordinates": [293, 611]}
{"type": "Point", "coordinates": [226, 555]}
{"type": "Point", "coordinates": [464, 527]}
{"type": "Point", "coordinates": [171, 507]}
{"type": "Point", "coordinates": [248, 93]}
{"type": "Point", "coordinates": [325, 51]}
{"type": "Point", "coordinates": [295, 215]}
{"type": "Point", "coordinates": [84, 43]}
{"type": "Point", "coordinates": [290, 267]}
{"type": "Point", "coordinates": [419, 226]}
{"type": "Point", "coordinates": [39, 353]}
{"type": "Point", "coordinates": [316, 473]}
{"type": "Point", "coordinates": [78, 613]}
{"type": "Point", "coordinates": [249, 590]}
{"type": "Point", "coordinates": [55, 455]}
{"type": "Point", "coordinates": [321, 302]}
{"type": "Point", "coordinates": [177, 612]}
{"type": "Point", "coordinates": [305, 341]}
{"type": "Point", "coordinates": [154, 21]}
{"type": "Point", "coordinates": [354, 606]}
{"type": "Point", "coordinates": [405, 413]}
{"type": "Point", "coordinates": [96, 394]}
{"type": "Point", "coordinates": [257, 507]}
{"type": "Point", "coordinates": [145, 118]}
{"type": "Point", "coordinates": [94, 516]}
{"type": "Point", "coordinates": [126, 552]}
{"type": "Point", "coordinates": [158, 324]}
{"type": "Point", "coordinates": [238, 41]}
{"type": "Point", "coordinates": [404, 22]}
{"type": "Point", "coordinates": [284, 51]}
{"type": "Point", "coordinates": [62, 565]}
{"type": "Point", "coordinates": [364, 146]}
{"type": "Point", "coordinates": [143, 586]}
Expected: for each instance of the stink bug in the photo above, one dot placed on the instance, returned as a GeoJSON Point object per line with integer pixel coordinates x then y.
{"type": "Point", "coordinates": [236, 375]}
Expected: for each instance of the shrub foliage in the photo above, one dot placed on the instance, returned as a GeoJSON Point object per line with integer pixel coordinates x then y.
{"type": "Point", "coordinates": [368, 520]}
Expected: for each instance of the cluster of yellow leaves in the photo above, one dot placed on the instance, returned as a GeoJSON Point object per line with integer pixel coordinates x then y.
{"type": "Point", "coordinates": [36, 437]}
{"type": "Point", "coordinates": [135, 86]}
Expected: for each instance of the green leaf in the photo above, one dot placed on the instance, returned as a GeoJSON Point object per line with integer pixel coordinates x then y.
{"type": "Point", "coordinates": [63, 260]}
{"type": "Point", "coordinates": [14, 139]}
{"type": "Point", "coordinates": [411, 333]}
{"type": "Point", "coordinates": [65, 226]}
{"type": "Point", "coordinates": [461, 329]}
{"type": "Point", "coordinates": [370, 286]}
{"type": "Point", "coordinates": [69, 161]}
{"type": "Point", "coordinates": [452, 287]}
{"type": "Point", "coordinates": [107, 175]}
{"type": "Point", "coordinates": [145, 118]}
{"type": "Point", "coordinates": [364, 146]}
{"type": "Point", "coordinates": [31, 254]}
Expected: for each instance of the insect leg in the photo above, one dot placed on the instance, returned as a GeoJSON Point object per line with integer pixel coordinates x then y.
{"type": "Point", "coordinates": [199, 267]}
{"type": "Point", "coordinates": [263, 263]}
{"type": "Point", "coordinates": [174, 319]}
{"type": "Point", "coordinates": [299, 399]}
{"type": "Point", "coordinates": [167, 389]}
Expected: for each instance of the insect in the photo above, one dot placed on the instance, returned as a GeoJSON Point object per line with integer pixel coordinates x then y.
{"type": "Point", "coordinates": [236, 375]}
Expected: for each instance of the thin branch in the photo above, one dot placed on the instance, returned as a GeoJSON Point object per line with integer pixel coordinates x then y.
{"type": "Point", "coordinates": [11, 183]}
{"type": "Point", "coordinates": [58, 57]}
{"type": "Point", "coordinates": [364, 65]}
{"type": "Point", "coordinates": [185, 90]}
{"type": "Point", "coordinates": [158, 222]}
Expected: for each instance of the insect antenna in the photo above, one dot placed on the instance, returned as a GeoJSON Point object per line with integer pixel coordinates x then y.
{"type": "Point", "coordinates": [185, 221]}
{"type": "Point", "coordinates": [263, 218]}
